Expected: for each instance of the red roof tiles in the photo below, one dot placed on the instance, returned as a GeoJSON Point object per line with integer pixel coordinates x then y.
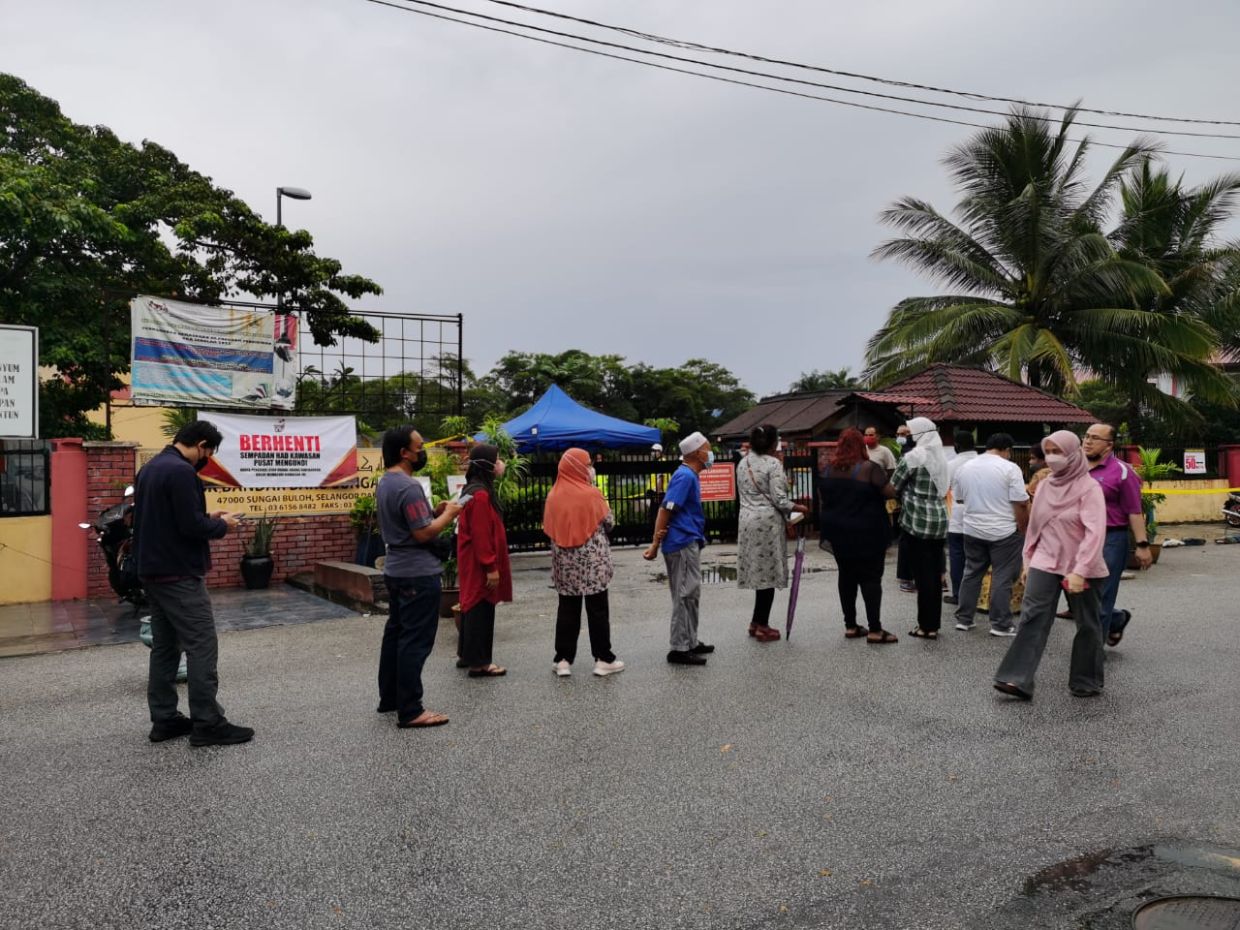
{"type": "Point", "coordinates": [960, 394]}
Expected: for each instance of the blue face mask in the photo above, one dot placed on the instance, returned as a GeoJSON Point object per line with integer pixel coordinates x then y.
{"type": "Point", "coordinates": [710, 458]}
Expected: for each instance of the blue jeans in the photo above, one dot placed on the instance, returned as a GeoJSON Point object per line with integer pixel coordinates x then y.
{"type": "Point", "coordinates": [1115, 554]}
{"type": "Point", "coordinates": [408, 638]}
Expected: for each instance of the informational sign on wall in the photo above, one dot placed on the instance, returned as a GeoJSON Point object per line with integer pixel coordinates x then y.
{"type": "Point", "coordinates": [718, 482]}
{"type": "Point", "coordinates": [203, 356]}
{"type": "Point", "coordinates": [283, 452]}
{"type": "Point", "coordinates": [1195, 462]}
{"type": "Point", "coordinates": [19, 382]}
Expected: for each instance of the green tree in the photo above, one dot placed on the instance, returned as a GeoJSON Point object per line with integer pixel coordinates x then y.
{"type": "Point", "coordinates": [1039, 291]}
{"type": "Point", "coordinates": [86, 220]}
{"type": "Point", "coordinates": [816, 380]}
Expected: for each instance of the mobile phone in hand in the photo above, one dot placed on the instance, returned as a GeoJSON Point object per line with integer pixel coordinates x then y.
{"type": "Point", "coordinates": [464, 499]}
{"type": "Point", "coordinates": [1064, 584]}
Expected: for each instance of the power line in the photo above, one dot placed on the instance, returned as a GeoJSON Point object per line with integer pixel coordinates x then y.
{"type": "Point", "coordinates": [724, 80]}
{"type": "Point", "coordinates": [681, 43]}
{"type": "Point", "coordinates": [835, 87]}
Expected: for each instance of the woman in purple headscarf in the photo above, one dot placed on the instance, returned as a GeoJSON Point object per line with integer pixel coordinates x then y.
{"type": "Point", "coordinates": [1063, 552]}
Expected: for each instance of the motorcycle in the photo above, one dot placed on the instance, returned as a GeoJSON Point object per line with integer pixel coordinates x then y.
{"type": "Point", "coordinates": [1231, 510]}
{"type": "Point", "coordinates": [114, 532]}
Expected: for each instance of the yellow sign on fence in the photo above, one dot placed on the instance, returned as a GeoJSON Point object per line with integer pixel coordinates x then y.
{"type": "Point", "coordinates": [291, 502]}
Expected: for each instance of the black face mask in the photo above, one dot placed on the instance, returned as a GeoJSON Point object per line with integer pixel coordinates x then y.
{"type": "Point", "coordinates": [202, 462]}
{"type": "Point", "coordinates": [419, 461]}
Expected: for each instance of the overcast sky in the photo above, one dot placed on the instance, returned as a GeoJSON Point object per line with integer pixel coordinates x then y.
{"type": "Point", "coordinates": [561, 200]}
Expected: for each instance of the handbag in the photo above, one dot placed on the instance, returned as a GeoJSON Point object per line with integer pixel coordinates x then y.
{"type": "Point", "coordinates": [790, 529]}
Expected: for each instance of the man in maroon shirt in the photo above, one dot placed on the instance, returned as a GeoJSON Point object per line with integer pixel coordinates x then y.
{"type": "Point", "coordinates": [1121, 488]}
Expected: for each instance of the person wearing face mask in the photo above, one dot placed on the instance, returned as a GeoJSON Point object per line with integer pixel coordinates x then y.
{"type": "Point", "coordinates": [172, 534]}
{"type": "Point", "coordinates": [921, 481]}
{"type": "Point", "coordinates": [681, 532]}
{"type": "Point", "coordinates": [1063, 552]}
{"type": "Point", "coordinates": [904, 571]}
{"type": "Point", "coordinates": [482, 561]}
{"type": "Point", "coordinates": [879, 454]}
{"type": "Point", "coordinates": [904, 438]}
{"type": "Point", "coordinates": [411, 572]}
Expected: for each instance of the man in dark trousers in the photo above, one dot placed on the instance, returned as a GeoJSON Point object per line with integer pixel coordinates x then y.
{"type": "Point", "coordinates": [172, 531]}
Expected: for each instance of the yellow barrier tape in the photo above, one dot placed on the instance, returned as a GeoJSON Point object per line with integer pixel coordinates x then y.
{"type": "Point", "coordinates": [1190, 490]}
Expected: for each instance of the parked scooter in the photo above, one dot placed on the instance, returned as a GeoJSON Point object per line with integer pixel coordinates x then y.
{"type": "Point", "coordinates": [114, 533]}
{"type": "Point", "coordinates": [1231, 510]}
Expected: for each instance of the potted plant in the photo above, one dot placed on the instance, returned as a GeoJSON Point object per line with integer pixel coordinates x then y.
{"type": "Point", "coordinates": [257, 563]}
{"type": "Point", "coordinates": [1150, 470]}
{"type": "Point", "coordinates": [364, 518]}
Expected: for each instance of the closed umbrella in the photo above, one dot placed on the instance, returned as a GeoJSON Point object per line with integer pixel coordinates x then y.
{"type": "Point", "coordinates": [797, 562]}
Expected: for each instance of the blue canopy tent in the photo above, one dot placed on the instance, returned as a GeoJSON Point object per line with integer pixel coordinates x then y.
{"type": "Point", "coordinates": [557, 421]}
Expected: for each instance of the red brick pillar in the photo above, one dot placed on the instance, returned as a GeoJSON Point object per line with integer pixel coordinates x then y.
{"type": "Point", "coordinates": [1229, 464]}
{"type": "Point", "coordinates": [1129, 454]}
{"type": "Point", "coordinates": [110, 468]}
{"type": "Point", "coordinates": [69, 541]}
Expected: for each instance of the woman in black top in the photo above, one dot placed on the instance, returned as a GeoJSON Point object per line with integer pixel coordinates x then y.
{"type": "Point", "coordinates": [852, 495]}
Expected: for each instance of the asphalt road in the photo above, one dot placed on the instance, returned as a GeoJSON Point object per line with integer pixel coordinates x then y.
{"type": "Point", "coordinates": [817, 783]}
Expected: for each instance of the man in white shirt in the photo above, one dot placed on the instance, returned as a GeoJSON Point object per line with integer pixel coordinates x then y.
{"type": "Point", "coordinates": [966, 451]}
{"type": "Point", "coordinates": [991, 489]}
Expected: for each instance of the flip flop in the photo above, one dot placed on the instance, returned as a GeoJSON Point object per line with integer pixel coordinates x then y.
{"type": "Point", "coordinates": [883, 638]}
{"type": "Point", "coordinates": [919, 633]}
{"type": "Point", "coordinates": [1012, 691]}
{"type": "Point", "coordinates": [1114, 639]}
{"type": "Point", "coordinates": [493, 671]}
{"type": "Point", "coordinates": [854, 632]}
{"type": "Point", "coordinates": [428, 718]}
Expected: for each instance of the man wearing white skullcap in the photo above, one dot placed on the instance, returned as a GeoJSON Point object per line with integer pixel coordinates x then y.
{"type": "Point", "coordinates": [681, 531]}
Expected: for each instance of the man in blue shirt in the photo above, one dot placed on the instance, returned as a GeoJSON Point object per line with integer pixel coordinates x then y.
{"type": "Point", "coordinates": [681, 531]}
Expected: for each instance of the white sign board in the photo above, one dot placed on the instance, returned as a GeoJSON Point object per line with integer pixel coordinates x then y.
{"type": "Point", "coordinates": [19, 382]}
{"type": "Point", "coordinates": [1195, 461]}
{"type": "Point", "coordinates": [456, 484]}
{"type": "Point", "coordinates": [283, 452]}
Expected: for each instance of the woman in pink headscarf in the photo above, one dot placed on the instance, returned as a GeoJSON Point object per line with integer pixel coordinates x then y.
{"type": "Point", "coordinates": [1063, 552]}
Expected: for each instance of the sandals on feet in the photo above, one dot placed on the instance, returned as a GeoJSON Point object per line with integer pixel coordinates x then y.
{"type": "Point", "coordinates": [853, 632]}
{"type": "Point", "coordinates": [1012, 691]}
{"type": "Point", "coordinates": [881, 638]}
{"type": "Point", "coordinates": [428, 718]}
{"type": "Point", "coordinates": [491, 671]}
{"type": "Point", "coordinates": [919, 633]}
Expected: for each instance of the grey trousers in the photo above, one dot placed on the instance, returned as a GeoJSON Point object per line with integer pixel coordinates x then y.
{"type": "Point", "coordinates": [182, 621]}
{"type": "Point", "coordinates": [1004, 556]}
{"type": "Point", "coordinates": [684, 578]}
{"type": "Point", "coordinates": [1042, 591]}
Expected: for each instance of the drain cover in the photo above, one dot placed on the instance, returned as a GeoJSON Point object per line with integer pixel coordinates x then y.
{"type": "Point", "coordinates": [1189, 912]}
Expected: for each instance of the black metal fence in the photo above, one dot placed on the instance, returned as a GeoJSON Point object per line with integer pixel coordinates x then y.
{"type": "Point", "coordinates": [25, 478]}
{"type": "Point", "coordinates": [633, 484]}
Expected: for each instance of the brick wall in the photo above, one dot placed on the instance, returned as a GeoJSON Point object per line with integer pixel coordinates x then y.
{"type": "Point", "coordinates": [109, 470]}
{"type": "Point", "coordinates": [299, 542]}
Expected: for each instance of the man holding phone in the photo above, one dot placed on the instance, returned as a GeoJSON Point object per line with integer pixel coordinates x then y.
{"type": "Point", "coordinates": [172, 534]}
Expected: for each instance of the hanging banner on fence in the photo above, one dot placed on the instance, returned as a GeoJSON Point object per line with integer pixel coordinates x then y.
{"type": "Point", "coordinates": [19, 382]}
{"type": "Point", "coordinates": [718, 482]}
{"type": "Point", "coordinates": [197, 355]}
{"type": "Point", "coordinates": [283, 452]}
{"type": "Point", "coordinates": [1195, 461]}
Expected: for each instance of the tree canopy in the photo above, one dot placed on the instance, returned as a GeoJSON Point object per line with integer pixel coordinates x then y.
{"type": "Point", "coordinates": [816, 380]}
{"type": "Point", "coordinates": [1040, 289]}
{"type": "Point", "coordinates": [87, 220]}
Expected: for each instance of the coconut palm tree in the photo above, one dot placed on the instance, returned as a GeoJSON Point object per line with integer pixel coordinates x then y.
{"type": "Point", "coordinates": [1039, 291]}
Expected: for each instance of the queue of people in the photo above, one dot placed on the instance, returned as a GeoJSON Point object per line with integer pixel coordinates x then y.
{"type": "Point", "coordinates": [1064, 532]}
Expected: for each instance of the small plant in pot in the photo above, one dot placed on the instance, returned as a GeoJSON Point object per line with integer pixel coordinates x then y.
{"type": "Point", "coordinates": [257, 564]}
{"type": "Point", "coordinates": [364, 518]}
{"type": "Point", "coordinates": [1150, 470]}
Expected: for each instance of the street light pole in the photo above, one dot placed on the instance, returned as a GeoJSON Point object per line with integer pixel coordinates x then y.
{"type": "Point", "coordinates": [295, 193]}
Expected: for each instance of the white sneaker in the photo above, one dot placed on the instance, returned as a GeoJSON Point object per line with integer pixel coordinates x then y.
{"type": "Point", "coordinates": [1010, 631]}
{"type": "Point", "coordinates": [563, 668]}
{"type": "Point", "coordinates": [602, 668]}
{"type": "Point", "coordinates": [965, 627]}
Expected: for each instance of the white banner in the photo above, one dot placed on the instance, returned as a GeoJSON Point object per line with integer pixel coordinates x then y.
{"type": "Point", "coordinates": [204, 356]}
{"type": "Point", "coordinates": [283, 452]}
{"type": "Point", "coordinates": [19, 382]}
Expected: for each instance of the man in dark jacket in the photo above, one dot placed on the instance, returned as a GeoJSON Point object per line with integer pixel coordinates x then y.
{"type": "Point", "coordinates": [172, 533]}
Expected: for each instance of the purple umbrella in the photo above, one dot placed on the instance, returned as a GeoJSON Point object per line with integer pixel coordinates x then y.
{"type": "Point", "coordinates": [796, 580]}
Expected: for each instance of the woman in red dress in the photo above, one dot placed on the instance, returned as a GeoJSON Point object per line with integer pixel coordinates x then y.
{"type": "Point", "coordinates": [482, 564]}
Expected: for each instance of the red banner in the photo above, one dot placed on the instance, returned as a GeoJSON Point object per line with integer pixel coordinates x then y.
{"type": "Point", "coordinates": [719, 482]}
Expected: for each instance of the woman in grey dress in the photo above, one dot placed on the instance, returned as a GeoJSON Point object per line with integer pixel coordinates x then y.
{"type": "Point", "coordinates": [762, 544]}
